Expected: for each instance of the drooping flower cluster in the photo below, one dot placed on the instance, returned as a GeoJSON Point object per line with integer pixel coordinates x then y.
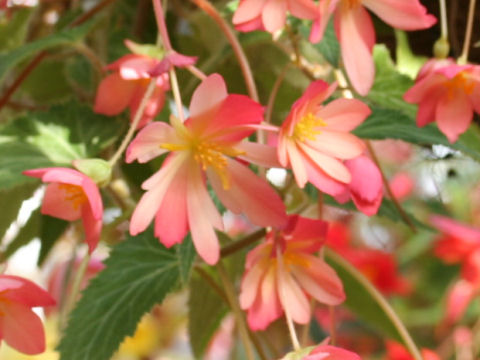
{"type": "Point", "coordinates": [283, 272]}
{"type": "Point", "coordinates": [205, 145]}
{"type": "Point", "coordinates": [448, 94]}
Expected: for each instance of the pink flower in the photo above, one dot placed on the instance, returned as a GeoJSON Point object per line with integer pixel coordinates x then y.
{"type": "Point", "coordinates": [205, 144]}
{"type": "Point", "coordinates": [315, 140]}
{"type": "Point", "coordinates": [270, 15]}
{"type": "Point", "coordinates": [396, 351]}
{"type": "Point", "coordinates": [20, 327]}
{"type": "Point", "coordinates": [71, 195]}
{"type": "Point", "coordinates": [329, 352]}
{"type": "Point", "coordinates": [447, 93]}
{"type": "Point", "coordinates": [126, 86]}
{"type": "Point", "coordinates": [402, 185]}
{"type": "Point", "coordinates": [282, 273]}
{"type": "Point", "coordinates": [365, 188]}
{"type": "Point", "coordinates": [356, 34]}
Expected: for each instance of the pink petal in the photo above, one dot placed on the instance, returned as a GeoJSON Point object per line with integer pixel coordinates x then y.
{"type": "Point", "coordinates": [207, 96]}
{"type": "Point", "coordinates": [22, 328]}
{"type": "Point", "coordinates": [253, 195]}
{"type": "Point", "coordinates": [171, 223]}
{"type": "Point", "coordinates": [356, 39]}
{"type": "Point", "coordinates": [332, 167]}
{"type": "Point", "coordinates": [428, 106]}
{"type": "Point", "coordinates": [424, 88]}
{"type": "Point", "coordinates": [455, 228]}
{"type": "Point", "coordinates": [366, 186]}
{"type": "Point", "coordinates": [458, 299]}
{"type": "Point", "coordinates": [137, 68]}
{"type": "Point", "coordinates": [152, 199]}
{"type": "Point", "coordinates": [303, 9]}
{"type": "Point", "coordinates": [274, 15]}
{"type": "Point", "coordinates": [113, 95]}
{"type": "Point", "coordinates": [344, 114]}
{"type": "Point", "coordinates": [340, 145]}
{"type": "Point", "coordinates": [23, 291]}
{"type": "Point", "coordinates": [94, 198]}
{"type": "Point", "coordinates": [56, 205]}
{"type": "Point", "coordinates": [248, 10]}
{"type": "Point", "coordinates": [320, 281]}
{"type": "Point", "coordinates": [259, 154]}
{"type": "Point", "coordinates": [202, 218]}
{"type": "Point", "coordinates": [454, 115]}
{"type": "Point", "coordinates": [93, 228]}
{"type": "Point", "coordinates": [308, 229]}
{"type": "Point", "coordinates": [402, 14]}
{"type": "Point", "coordinates": [296, 161]}
{"type": "Point", "coordinates": [154, 105]}
{"type": "Point", "coordinates": [331, 353]}
{"type": "Point", "coordinates": [322, 181]}
{"type": "Point", "coordinates": [292, 297]}
{"type": "Point", "coordinates": [250, 285]}
{"type": "Point", "coordinates": [271, 308]}
{"type": "Point", "coordinates": [146, 144]}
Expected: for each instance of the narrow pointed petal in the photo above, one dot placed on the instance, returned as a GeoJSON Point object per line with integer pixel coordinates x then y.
{"type": "Point", "coordinates": [248, 10]}
{"type": "Point", "coordinates": [341, 145]}
{"type": "Point", "coordinates": [454, 115]}
{"type": "Point", "coordinates": [250, 285]}
{"type": "Point", "coordinates": [274, 15]}
{"type": "Point", "coordinates": [296, 161]}
{"type": "Point", "coordinates": [147, 143]}
{"type": "Point", "coordinates": [202, 217]}
{"type": "Point", "coordinates": [333, 167]}
{"type": "Point", "coordinates": [208, 96]}
{"type": "Point", "coordinates": [93, 228]}
{"type": "Point", "coordinates": [303, 9]}
{"type": "Point", "coordinates": [292, 298]}
{"type": "Point", "coordinates": [23, 329]}
{"type": "Point", "coordinates": [356, 41]}
{"type": "Point", "coordinates": [259, 154]}
{"type": "Point", "coordinates": [344, 114]}
{"type": "Point", "coordinates": [322, 181]}
{"type": "Point", "coordinates": [402, 14]}
{"type": "Point", "coordinates": [23, 291]}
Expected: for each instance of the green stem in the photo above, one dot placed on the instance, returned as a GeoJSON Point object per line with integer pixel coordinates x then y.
{"type": "Point", "coordinates": [134, 124]}
{"type": "Point", "coordinates": [468, 33]}
{"type": "Point", "coordinates": [381, 301]}
{"type": "Point", "coordinates": [443, 19]}
{"type": "Point", "coordinates": [242, 243]}
{"type": "Point", "coordinates": [237, 312]}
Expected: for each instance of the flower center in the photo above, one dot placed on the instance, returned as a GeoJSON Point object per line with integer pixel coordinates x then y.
{"type": "Point", "coordinates": [74, 194]}
{"type": "Point", "coordinates": [349, 4]}
{"type": "Point", "coordinates": [208, 154]}
{"type": "Point", "coordinates": [462, 82]}
{"type": "Point", "coordinates": [307, 128]}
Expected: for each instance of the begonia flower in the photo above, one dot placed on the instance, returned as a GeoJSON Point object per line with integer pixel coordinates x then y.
{"type": "Point", "coordinates": [316, 143]}
{"type": "Point", "coordinates": [126, 86]}
{"type": "Point", "coordinates": [366, 187]}
{"type": "Point", "coordinates": [356, 35]}
{"type": "Point", "coordinates": [20, 327]}
{"type": "Point", "coordinates": [329, 352]}
{"type": "Point", "coordinates": [283, 272]}
{"type": "Point", "coordinates": [270, 15]}
{"type": "Point", "coordinates": [396, 351]}
{"type": "Point", "coordinates": [448, 94]}
{"type": "Point", "coordinates": [378, 266]}
{"type": "Point", "coordinates": [71, 195]}
{"type": "Point", "coordinates": [459, 243]}
{"type": "Point", "coordinates": [206, 144]}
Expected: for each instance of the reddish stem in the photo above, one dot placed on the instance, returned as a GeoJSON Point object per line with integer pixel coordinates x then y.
{"type": "Point", "coordinates": [162, 27]}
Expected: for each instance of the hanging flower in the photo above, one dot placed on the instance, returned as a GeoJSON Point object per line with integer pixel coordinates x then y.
{"type": "Point", "coordinates": [355, 32]}
{"type": "Point", "coordinates": [448, 94]}
{"type": "Point", "coordinates": [316, 143]}
{"type": "Point", "coordinates": [20, 327]}
{"type": "Point", "coordinates": [206, 144]}
{"type": "Point", "coordinates": [270, 15]}
{"type": "Point", "coordinates": [71, 195]}
{"type": "Point", "coordinates": [282, 273]}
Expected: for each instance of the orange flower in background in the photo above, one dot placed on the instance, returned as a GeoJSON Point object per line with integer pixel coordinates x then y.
{"type": "Point", "coordinates": [282, 273]}
{"type": "Point", "coordinates": [72, 195]}
{"type": "Point", "coordinates": [20, 327]}
{"type": "Point", "coordinates": [448, 94]}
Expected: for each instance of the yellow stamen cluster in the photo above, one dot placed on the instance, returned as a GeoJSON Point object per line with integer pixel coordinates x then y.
{"type": "Point", "coordinates": [460, 81]}
{"type": "Point", "coordinates": [307, 128]}
{"type": "Point", "coordinates": [74, 194]}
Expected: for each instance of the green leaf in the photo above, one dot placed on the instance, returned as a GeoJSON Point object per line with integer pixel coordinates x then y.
{"type": "Point", "coordinates": [328, 46]}
{"type": "Point", "coordinates": [390, 85]}
{"type": "Point", "coordinates": [394, 124]}
{"type": "Point", "coordinates": [206, 310]}
{"type": "Point", "coordinates": [363, 298]}
{"type": "Point", "coordinates": [10, 202]}
{"type": "Point", "coordinates": [138, 274]}
{"type": "Point", "coordinates": [12, 58]}
{"type": "Point", "coordinates": [13, 31]}
{"type": "Point", "coordinates": [54, 138]}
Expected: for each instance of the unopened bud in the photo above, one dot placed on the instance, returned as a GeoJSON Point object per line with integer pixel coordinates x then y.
{"type": "Point", "coordinates": [441, 48]}
{"type": "Point", "coordinates": [98, 170]}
